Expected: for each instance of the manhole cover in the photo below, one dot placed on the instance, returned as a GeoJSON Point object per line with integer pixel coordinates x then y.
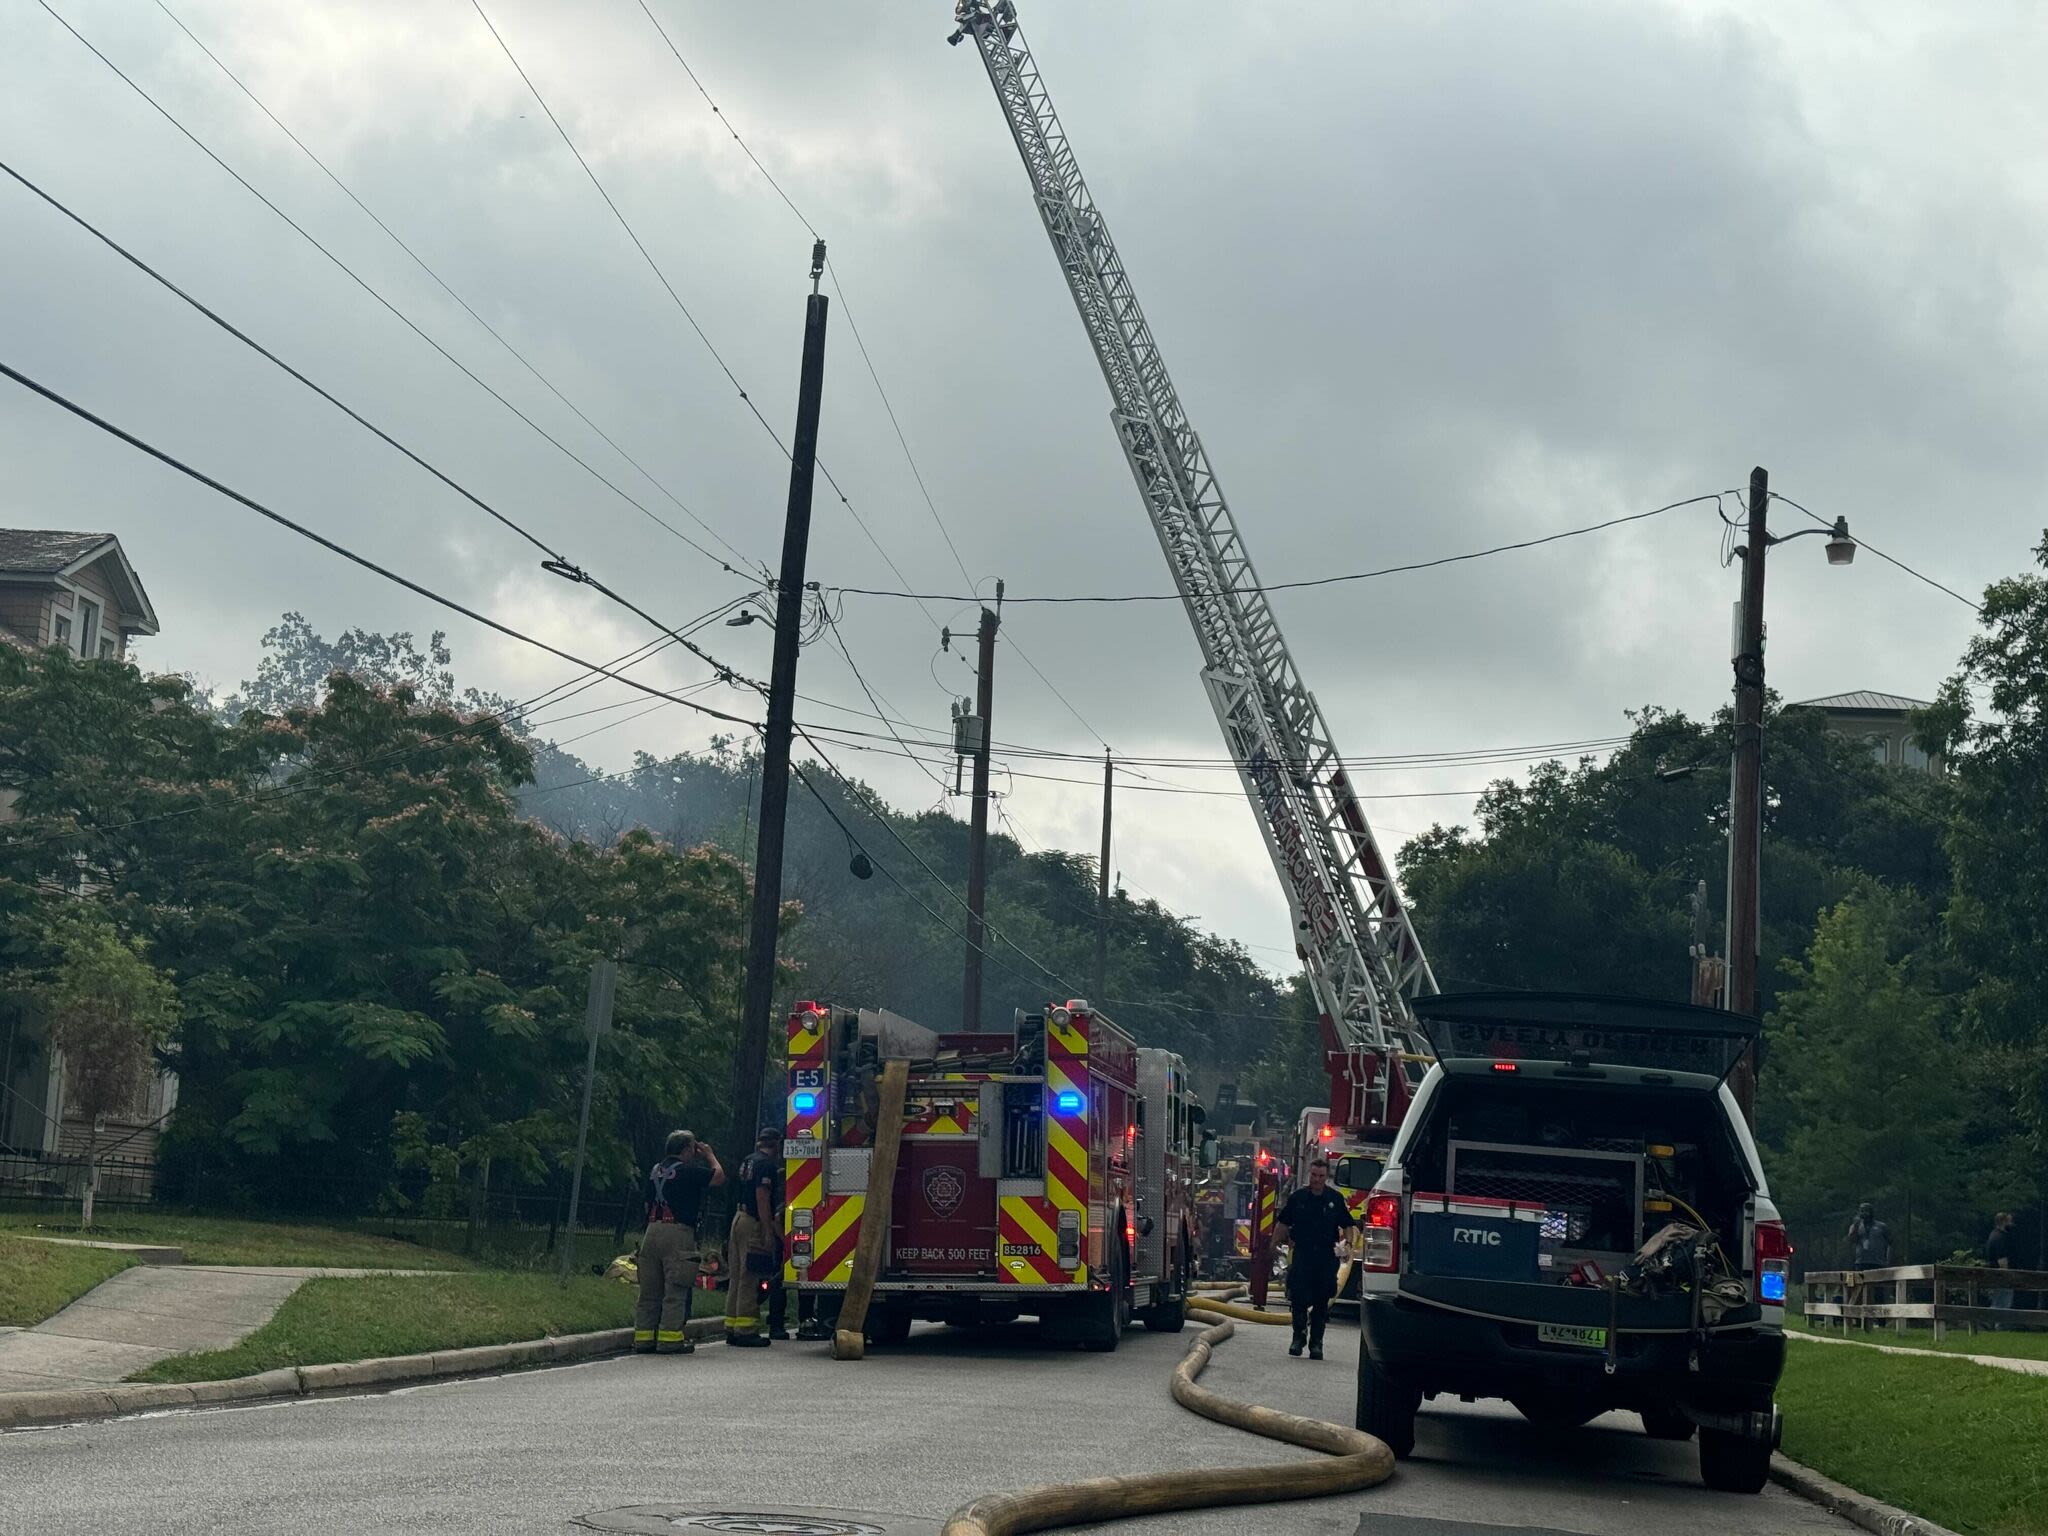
{"type": "Point", "coordinates": [674, 1518]}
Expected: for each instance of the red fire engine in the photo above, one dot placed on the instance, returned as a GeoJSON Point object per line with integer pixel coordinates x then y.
{"type": "Point", "coordinates": [1044, 1171]}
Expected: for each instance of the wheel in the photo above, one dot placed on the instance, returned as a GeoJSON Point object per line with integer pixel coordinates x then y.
{"type": "Point", "coordinates": [1556, 1412]}
{"type": "Point", "coordinates": [1733, 1463]}
{"type": "Point", "coordinates": [1386, 1407]}
{"type": "Point", "coordinates": [1171, 1316]}
{"type": "Point", "coordinates": [1667, 1423]}
{"type": "Point", "coordinates": [1109, 1313]}
{"type": "Point", "coordinates": [889, 1325]}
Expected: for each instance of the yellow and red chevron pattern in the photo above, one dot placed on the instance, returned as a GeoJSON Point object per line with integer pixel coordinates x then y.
{"type": "Point", "coordinates": [1066, 1157]}
{"type": "Point", "coordinates": [804, 1177]}
{"type": "Point", "coordinates": [940, 1117]}
{"type": "Point", "coordinates": [1027, 1242]}
{"type": "Point", "coordinates": [834, 1238]}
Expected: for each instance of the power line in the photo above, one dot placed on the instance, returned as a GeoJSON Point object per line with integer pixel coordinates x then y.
{"type": "Point", "coordinates": [1290, 586]}
{"type": "Point", "coordinates": [348, 554]}
{"type": "Point", "coordinates": [1864, 543]}
{"type": "Point", "coordinates": [264, 352]}
{"type": "Point", "coordinates": [469, 309]}
{"type": "Point", "coordinates": [363, 284]}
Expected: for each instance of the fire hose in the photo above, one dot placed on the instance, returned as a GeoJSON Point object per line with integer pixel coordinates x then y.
{"type": "Point", "coordinates": [1353, 1460]}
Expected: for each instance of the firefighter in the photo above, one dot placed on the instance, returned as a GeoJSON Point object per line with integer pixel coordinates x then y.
{"type": "Point", "coordinates": [668, 1249]}
{"type": "Point", "coordinates": [754, 1257]}
{"type": "Point", "coordinates": [1311, 1220]}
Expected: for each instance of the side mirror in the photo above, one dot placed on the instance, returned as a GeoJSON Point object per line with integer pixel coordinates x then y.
{"type": "Point", "coordinates": [1212, 1151]}
{"type": "Point", "coordinates": [1144, 1226]}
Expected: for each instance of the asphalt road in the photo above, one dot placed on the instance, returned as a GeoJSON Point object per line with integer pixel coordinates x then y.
{"type": "Point", "coordinates": [897, 1441]}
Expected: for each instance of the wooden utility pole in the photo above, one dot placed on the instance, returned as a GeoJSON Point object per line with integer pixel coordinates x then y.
{"type": "Point", "coordinates": [1101, 977]}
{"type": "Point", "coordinates": [977, 834]}
{"type": "Point", "coordinates": [750, 1058]}
{"type": "Point", "coordinates": [1745, 808]}
{"type": "Point", "coordinates": [597, 1023]}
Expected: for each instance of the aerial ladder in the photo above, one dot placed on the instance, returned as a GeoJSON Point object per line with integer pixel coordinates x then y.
{"type": "Point", "coordinates": [1352, 930]}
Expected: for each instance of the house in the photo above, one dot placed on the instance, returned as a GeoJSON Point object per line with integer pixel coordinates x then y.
{"type": "Point", "coordinates": [74, 590]}
{"type": "Point", "coordinates": [78, 592]}
{"type": "Point", "coordinates": [1878, 721]}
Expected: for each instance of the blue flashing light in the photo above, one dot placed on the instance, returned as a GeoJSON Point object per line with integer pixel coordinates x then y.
{"type": "Point", "coordinates": [1068, 1103]}
{"type": "Point", "coordinates": [1770, 1286]}
{"type": "Point", "coordinates": [804, 1102]}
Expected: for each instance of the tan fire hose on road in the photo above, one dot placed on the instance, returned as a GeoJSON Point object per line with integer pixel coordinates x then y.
{"type": "Point", "coordinates": [1353, 1461]}
{"type": "Point", "coordinates": [849, 1340]}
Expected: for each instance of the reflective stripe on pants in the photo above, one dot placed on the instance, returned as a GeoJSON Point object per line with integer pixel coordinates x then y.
{"type": "Point", "coordinates": [668, 1276]}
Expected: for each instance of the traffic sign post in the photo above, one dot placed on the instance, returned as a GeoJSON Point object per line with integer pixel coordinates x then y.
{"type": "Point", "coordinates": [597, 1022]}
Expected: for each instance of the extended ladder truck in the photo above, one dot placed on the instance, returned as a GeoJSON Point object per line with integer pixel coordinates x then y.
{"type": "Point", "coordinates": [1353, 933]}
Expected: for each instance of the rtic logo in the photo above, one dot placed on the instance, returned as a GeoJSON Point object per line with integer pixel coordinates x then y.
{"type": "Point", "coordinates": [1479, 1235]}
{"type": "Point", "coordinates": [944, 1189]}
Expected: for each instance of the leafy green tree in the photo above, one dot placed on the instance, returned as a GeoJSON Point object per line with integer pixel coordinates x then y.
{"type": "Point", "coordinates": [109, 1012]}
{"type": "Point", "coordinates": [1997, 917]}
{"type": "Point", "coordinates": [1863, 1100]}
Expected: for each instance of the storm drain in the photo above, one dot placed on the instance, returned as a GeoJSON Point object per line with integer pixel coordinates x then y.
{"type": "Point", "coordinates": [676, 1518]}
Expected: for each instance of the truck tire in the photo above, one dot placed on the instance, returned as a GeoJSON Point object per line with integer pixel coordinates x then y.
{"type": "Point", "coordinates": [1108, 1313]}
{"type": "Point", "coordinates": [1731, 1463]}
{"type": "Point", "coordinates": [1667, 1423]}
{"type": "Point", "coordinates": [889, 1325]}
{"type": "Point", "coordinates": [1171, 1314]}
{"type": "Point", "coordinates": [1386, 1407]}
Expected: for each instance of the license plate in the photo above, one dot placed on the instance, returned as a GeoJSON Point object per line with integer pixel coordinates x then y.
{"type": "Point", "coordinates": [794, 1147]}
{"type": "Point", "coordinates": [1565, 1333]}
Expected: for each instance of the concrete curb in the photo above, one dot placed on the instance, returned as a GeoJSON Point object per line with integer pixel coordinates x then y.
{"type": "Point", "coordinates": [1859, 1509]}
{"type": "Point", "coordinates": [21, 1410]}
{"type": "Point", "coordinates": [141, 1253]}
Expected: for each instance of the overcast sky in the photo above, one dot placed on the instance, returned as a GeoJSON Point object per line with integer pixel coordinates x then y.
{"type": "Point", "coordinates": [1431, 277]}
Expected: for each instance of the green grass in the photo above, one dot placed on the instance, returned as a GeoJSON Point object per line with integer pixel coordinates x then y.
{"type": "Point", "coordinates": [38, 1280]}
{"type": "Point", "coordinates": [362, 1319]}
{"type": "Point", "coordinates": [230, 1240]}
{"type": "Point", "coordinates": [2012, 1346]}
{"type": "Point", "coordinates": [1957, 1443]}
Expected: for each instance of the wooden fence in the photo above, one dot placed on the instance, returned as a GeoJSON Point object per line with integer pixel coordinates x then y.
{"type": "Point", "coordinates": [1943, 1295]}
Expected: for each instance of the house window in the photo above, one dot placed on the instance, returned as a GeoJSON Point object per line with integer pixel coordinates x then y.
{"type": "Point", "coordinates": [88, 627]}
{"type": "Point", "coordinates": [1880, 747]}
{"type": "Point", "coordinates": [60, 630]}
{"type": "Point", "coordinates": [107, 647]}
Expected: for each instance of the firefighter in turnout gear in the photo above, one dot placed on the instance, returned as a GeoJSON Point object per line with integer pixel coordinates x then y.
{"type": "Point", "coordinates": [754, 1254]}
{"type": "Point", "coordinates": [1311, 1220]}
{"type": "Point", "coordinates": [668, 1250]}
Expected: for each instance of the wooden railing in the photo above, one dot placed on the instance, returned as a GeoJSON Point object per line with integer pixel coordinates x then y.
{"type": "Point", "coordinates": [1943, 1295]}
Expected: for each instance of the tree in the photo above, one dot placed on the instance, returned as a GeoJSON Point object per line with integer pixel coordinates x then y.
{"type": "Point", "coordinates": [1997, 917]}
{"type": "Point", "coordinates": [109, 1012]}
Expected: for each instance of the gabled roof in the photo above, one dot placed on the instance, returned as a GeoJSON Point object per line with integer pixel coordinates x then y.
{"type": "Point", "coordinates": [49, 556]}
{"type": "Point", "coordinates": [46, 551]}
{"type": "Point", "coordinates": [1866, 700]}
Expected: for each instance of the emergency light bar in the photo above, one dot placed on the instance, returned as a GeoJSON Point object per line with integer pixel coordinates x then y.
{"type": "Point", "coordinates": [1068, 1102]}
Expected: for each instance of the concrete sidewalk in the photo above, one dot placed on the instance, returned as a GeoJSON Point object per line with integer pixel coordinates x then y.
{"type": "Point", "coordinates": [2015, 1363]}
{"type": "Point", "coordinates": [142, 1315]}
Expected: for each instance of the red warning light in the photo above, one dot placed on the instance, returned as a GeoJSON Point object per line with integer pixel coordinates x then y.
{"type": "Point", "coordinates": [1505, 1066]}
{"type": "Point", "coordinates": [1327, 1132]}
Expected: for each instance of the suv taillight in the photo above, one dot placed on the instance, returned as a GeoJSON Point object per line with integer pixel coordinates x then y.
{"type": "Point", "coordinates": [1380, 1248]}
{"type": "Point", "coordinates": [1773, 1249]}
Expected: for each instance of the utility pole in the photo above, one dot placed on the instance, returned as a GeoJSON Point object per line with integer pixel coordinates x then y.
{"type": "Point", "coordinates": [977, 835]}
{"type": "Point", "coordinates": [1102, 891]}
{"type": "Point", "coordinates": [597, 1023]}
{"type": "Point", "coordinates": [750, 1058]}
{"type": "Point", "coordinates": [1745, 807]}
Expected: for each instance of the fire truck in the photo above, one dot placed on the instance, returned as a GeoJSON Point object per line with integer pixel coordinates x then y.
{"type": "Point", "coordinates": [1045, 1171]}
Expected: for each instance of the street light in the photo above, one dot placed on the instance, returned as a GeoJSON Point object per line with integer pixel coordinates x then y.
{"type": "Point", "coordinates": [1745, 809]}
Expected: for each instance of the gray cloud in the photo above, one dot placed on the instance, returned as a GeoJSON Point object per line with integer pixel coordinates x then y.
{"type": "Point", "coordinates": [1430, 279]}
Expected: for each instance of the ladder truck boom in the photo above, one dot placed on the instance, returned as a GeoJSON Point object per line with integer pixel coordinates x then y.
{"type": "Point", "coordinates": [1352, 929]}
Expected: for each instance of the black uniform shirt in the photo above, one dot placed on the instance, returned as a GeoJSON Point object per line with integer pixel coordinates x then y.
{"type": "Point", "coordinates": [1314, 1220]}
{"type": "Point", "coordinates": [762, 1170]}
{"type": "Point", "coordinates": [675, 1190]}
{"type": "Point", "coordinates": [1998, 1246]}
